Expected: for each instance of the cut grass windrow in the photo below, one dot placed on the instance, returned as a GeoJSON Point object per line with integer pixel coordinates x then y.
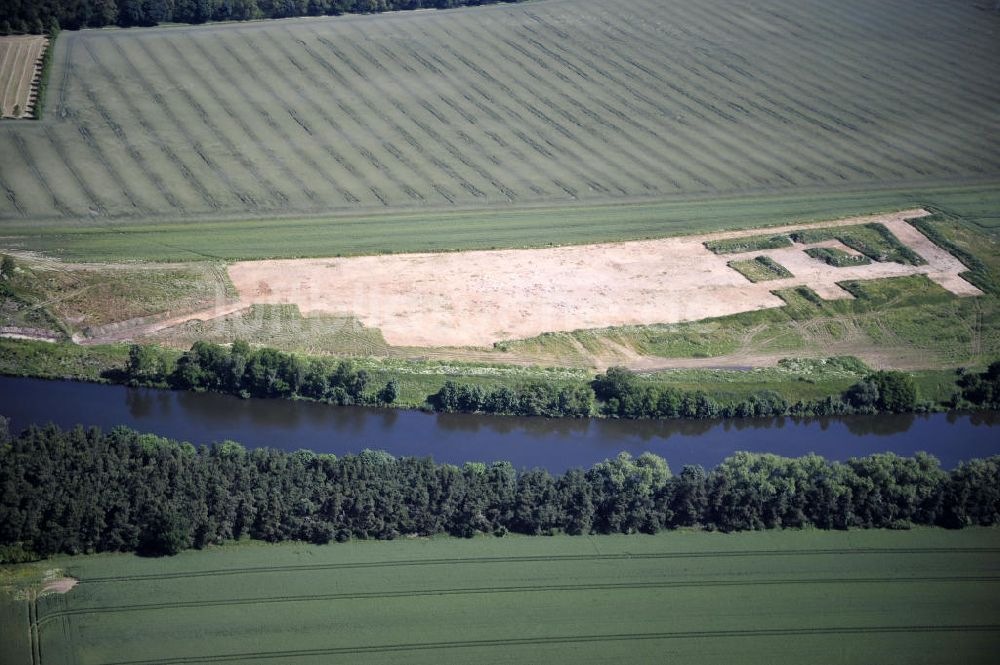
{"type": "Point", "coordinates": [484, 107]}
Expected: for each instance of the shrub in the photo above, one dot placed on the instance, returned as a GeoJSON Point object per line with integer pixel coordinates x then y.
{"type": "Point", "coordinates": [837, 258]}
{"type": "Point", "coordinates": [748, 244]}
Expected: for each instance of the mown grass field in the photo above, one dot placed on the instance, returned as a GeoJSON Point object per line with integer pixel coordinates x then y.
{"type": "Point", "coordinates": [459, 124]}
{"type": "Point", "coordinates": [20, 61]}
{"type": "Point", "coordinates": [925, 596]}
{"type": "Point", "coordinates": [379, 233]}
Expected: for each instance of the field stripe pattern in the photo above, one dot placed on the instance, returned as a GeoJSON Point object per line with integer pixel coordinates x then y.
{"type": "Point", "coordinates": [769, 597]}
{"type": "Point", "coordinates": [549, 103]}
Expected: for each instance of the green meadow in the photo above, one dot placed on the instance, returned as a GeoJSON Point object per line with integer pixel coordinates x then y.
{"type": "Point", "coordinates": [921, 596]}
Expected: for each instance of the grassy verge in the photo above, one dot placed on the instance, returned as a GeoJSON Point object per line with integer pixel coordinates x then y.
{"type": "Point", "coordinates": [65, 298]}
{"type": "Point", "coordinates": [909, 321]}
{"type": "Point", "coordinates": [282, 327]}
{"type": "Point", "coordinates": [60, 360]}
{"type": "Point", "coordinates": [232, 239]}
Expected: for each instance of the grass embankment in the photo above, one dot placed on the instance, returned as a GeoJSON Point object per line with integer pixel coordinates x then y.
{"type": "Point", "coordinates": [64, 298]}
{"type": "Point", "coordinates": [929, 596]}
{"type": "Point", "coordinates": [282, 327]}
{"type": "Point", "coordinates": [909, 322]}
{"type": "Point", "coordinates": [837, 258]}
{"type": "Point", "coordinates": [346, 235]}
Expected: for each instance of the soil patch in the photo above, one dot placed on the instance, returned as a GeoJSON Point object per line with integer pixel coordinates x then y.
{"type": "Point", "coordinates": [60, 585]}
{"type": "Point", "coordinates": [477, 298]}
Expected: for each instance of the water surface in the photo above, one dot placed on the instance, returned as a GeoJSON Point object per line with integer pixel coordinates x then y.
{"type": "Point", "coordinates": [555, 444]}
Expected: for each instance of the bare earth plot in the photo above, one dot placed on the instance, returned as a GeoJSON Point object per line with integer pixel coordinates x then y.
{"type": "Point", "coordinates": [477, 298]}
{"type": "Point", "coordinates": [20, 65]}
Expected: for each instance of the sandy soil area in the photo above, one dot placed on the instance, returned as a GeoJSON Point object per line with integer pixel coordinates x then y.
{"type": "Point", "coordinates": [61, 585]}
{"type": "Point", "coordinates": [480, 297]}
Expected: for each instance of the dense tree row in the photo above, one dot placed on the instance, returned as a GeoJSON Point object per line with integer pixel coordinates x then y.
{"type": "Point", "coordinates": [242, 370]}
{"type": "Point", "coordinates": [531, 399]}
{"type": "Point", "coordinates": [625, 395]}
{"type": "Point", "coordinates": [84, 491]}
{"type": "Point", "coordinates": [38, 16]}
{"type": "Point", "coordinates": [264, 372]}
{"type": "Point", "coordinates": [622, 394]}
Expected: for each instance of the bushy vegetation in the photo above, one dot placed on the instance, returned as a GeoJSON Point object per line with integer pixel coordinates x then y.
{"type": "Point", "coordinates": [625, 395]}
{"type": "Point", "coordinates": [982, 388]}
{"type": "Point", "coordinates": [837, 258]}
{"type": "Point", "coordinates": [265, 372]}
{"type": "Point", "coordinates": [874, 240]}
{"type": "Point", "coordinates": [748, 243]}
{"type": "Point", "coordinates": [83, 491]}
{"type": "Point", "coordinates": [20, 307]}
{"type": "Point", "coordinates": [979, 274]}
{"type": "Point", "coordinates": [101, 364]}
{"type": "Point", "coordinates": [760, 269]}
{"type": "Point", "coordinates": [531, 399]}
{"type": "Point", "coordinates": [68, 298]}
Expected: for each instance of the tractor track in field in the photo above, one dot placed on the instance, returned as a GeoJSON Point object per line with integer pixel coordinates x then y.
{"type": "Point", "coordinates": [537, 588]}
{"type": "Point", "coordinates": [561, 558]}
{"type": "Point", "coordinates": [569, 639]}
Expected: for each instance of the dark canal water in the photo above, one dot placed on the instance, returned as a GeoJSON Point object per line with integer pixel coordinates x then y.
{"type": "Point", "coordinates": [526, 442]}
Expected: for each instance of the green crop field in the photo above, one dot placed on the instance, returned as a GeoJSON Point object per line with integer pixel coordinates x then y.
{"type": "Point", "coordinates": [925, 596]}
{"type": "Point", "coordinates": [500, 125]}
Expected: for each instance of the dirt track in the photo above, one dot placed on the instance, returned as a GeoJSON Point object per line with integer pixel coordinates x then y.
{"type": "Point", "coordinates": [480, 297]}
